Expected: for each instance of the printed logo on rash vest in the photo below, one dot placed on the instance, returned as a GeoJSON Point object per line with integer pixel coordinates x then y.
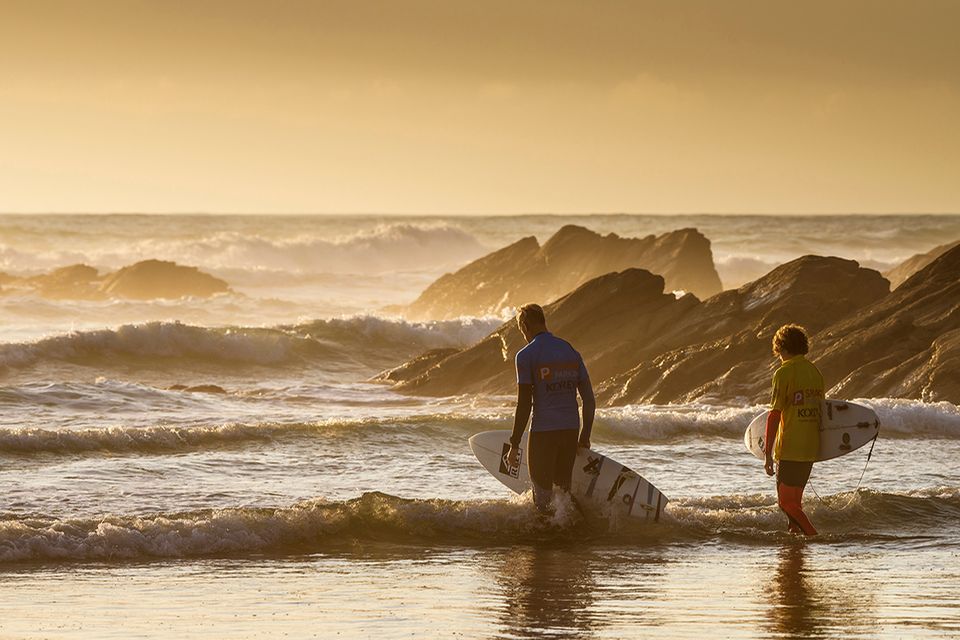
{"type": "Point", "coordinates": [560, 376]}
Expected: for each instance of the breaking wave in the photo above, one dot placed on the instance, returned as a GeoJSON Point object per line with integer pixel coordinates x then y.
{"type": "Point", "coordinates": [175, 439]}
{"type": "Point", "coordinates": [861, 514]}
{"type": "Point", "coordinates": [453, 419]}
{"type": "Point", "coordinates": [385, 248]}
{"type": "Point", "coordinates": [377, 517]}
{"type": "Point", "coordinates": [640, 423]}
{"type": "Point", "coordinates": [899, 418]}
{"type": "Point", "coordinates": [337, 340]}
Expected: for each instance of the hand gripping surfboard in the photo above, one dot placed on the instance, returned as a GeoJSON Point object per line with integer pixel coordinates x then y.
{"type": "Point", "coordinates": [598, 482]}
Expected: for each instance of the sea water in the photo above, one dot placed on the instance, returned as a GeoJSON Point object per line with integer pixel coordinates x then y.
{"type": "Point", "coordinates": [299, 499]}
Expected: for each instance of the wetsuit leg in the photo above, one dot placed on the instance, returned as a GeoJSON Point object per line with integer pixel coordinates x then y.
{"type": "Point", "coordinates": [791, 479]}
{"type": "Point", "coordinates": [541, 461]}
{"type": "Point", "coordinates": [566, 456]}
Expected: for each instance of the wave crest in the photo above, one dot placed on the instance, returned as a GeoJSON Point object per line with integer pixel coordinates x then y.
{"type": "Point", "coordinates": [385, 248]}
{"type": "Point", "coordinates": [337, 340]}
{"type": "Point", "coordinates": [378, 517]}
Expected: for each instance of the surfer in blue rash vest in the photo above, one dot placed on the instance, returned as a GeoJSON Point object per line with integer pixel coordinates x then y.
{"type": "Point", "coordinates": [550, 374]}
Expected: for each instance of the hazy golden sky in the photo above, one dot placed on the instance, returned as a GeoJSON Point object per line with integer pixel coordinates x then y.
{"type": "Point", "coordinates": [449, 106]}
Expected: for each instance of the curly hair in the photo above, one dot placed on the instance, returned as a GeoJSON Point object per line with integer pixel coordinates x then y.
{"type": "Point", "coordinates": [792, 339]}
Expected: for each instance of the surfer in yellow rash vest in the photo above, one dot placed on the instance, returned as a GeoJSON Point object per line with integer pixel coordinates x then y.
{"type": "Point", "coordinates": [793, 424]}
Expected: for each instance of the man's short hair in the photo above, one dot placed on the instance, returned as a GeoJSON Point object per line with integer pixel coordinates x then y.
{"type": "Point", "coordinates": [531, 315]}
{"type": "Point", "coordinates": [791, 338]}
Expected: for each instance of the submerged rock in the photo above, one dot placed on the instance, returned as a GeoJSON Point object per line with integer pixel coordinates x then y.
{"type": "Point", "coordinates": [151, 279]}
{"type": "Point", "coordinates": [147, 280]}
{"type": "Point", "coordinates": [198, 388]}
{"type": "Point", "coordinates": [77, 281]}
{"type": "Point", "coordinates": [524, 271]}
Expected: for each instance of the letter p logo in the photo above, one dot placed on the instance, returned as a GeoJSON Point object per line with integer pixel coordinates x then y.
{"type": "Point", "coordinates": [544, 373]}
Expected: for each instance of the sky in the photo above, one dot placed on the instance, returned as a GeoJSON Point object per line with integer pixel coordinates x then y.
{"type": "Point", "coordinates": [455, 106]}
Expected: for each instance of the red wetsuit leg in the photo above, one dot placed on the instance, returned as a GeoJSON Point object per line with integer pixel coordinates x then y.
{"type": "Point", "coordinates": [790, 501]}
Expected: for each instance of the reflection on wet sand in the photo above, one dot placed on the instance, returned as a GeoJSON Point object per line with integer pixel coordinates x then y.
{"type": "Point", "coordinates": [805, 606]}
{"type": "Point", "coordinates": [796, 611]}
{"type": "Point", "coordinates": [548, 592]}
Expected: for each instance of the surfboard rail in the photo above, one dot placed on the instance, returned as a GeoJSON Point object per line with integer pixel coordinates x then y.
{"type": "Point", "coordinates": [597, 481]}
{"type": "Point", "coordinates": [844, 427]}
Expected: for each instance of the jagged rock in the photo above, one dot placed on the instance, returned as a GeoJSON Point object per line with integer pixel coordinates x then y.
{"type": "Point", "coordinates": [613, 319]}
{"type": "Point", "coordinates": [643, 345]}
{"type": "Point", "coordinates": [415, 367]}
{"type": "Point", "coordinates": [524, 271]}
{"type": "Point", "coordinates": [906, 345]}
{"type": "Point", "coordinates": [724, 350]}
{"type": "Point", "coordinates": [151, 279]}
{"type": "Point", "coordinates": [899, 274]}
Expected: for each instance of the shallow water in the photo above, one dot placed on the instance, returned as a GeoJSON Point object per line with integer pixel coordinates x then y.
{"type": "Point", "coordinates": [295, 498]}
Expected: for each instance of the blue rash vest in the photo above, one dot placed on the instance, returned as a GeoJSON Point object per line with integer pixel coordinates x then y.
{"type": "Point", "coordinates": [557, 372]}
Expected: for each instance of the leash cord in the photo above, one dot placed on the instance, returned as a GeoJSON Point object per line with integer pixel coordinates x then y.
{"type": "Point", "coordinates": [873, 443]}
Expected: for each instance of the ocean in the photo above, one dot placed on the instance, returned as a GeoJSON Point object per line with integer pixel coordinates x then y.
{"type": "Point", "coordinates": [292, 497]}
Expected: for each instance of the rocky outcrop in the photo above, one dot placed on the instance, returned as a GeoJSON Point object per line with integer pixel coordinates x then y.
{"type": "Point", "coordinates": [610, 319]}
{"type": "Point", "coordinates": [906, 345]}
{"type": "Point", "coordinates": [416, 367]}
{"type": "Point", "coordinates": [725, 342]}
{"type": "Point", "coordinates": [899, 274]}
{"type": "Point", "coordinates": [152, 279]}
{"type": "Point", "coordinates": [642, 345]}
{"type": "Point", "coordinates": [147, 280]}
{"type": "Point", "coordinates": [77, 281]}
{"type": "Point", "coordinates": [525, 271]}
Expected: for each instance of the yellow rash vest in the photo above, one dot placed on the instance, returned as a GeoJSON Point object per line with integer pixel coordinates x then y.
{"type": "Point", "coordinates": [797, 393]}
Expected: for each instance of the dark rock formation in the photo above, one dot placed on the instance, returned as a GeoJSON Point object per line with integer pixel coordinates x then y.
{"type": "Point", "coordinates": [416, 367]}
{"type": "Point", "coordinates": [525, 271]}
{"type": "Point", "coordinates": [899, 274]}
{"type": "Point", "coordinates": [642, 345]}
{"type": "Point", "coordinates": [145, 280]}
{"type": "Point", "coordinates": [199, 388]}
{"type": "Point", "coordinates": [613, 319]}
{"type": "Point", "coordinates": [725, 342]}
{"type": "Point", "coordinates": [906, 345]}
{"type": "Point", "coordinates": [153, 279]}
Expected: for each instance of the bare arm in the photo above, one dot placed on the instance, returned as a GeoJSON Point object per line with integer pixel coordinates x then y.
{"type": "Point", "coordinates": [522, 416]}
{"type": "Point", "coordinates": [588, 410]}
{"type": "Point", "coordinates": [773, 423]}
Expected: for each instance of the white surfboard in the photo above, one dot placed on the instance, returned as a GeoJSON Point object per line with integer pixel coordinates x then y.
{"type": "Point", "coordinates": [598, 483]}
{"type": "Point", "coordinates": [844, 427]}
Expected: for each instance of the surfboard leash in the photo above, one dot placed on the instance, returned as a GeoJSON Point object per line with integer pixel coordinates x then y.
{"type": "Point", "coordinates": [873, 443]}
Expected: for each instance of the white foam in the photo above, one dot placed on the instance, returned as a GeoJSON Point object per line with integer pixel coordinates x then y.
{"type": "Point", "coordinates": [899, 418]}
{"type": "Point", "coordinates": [657, 422]}
{"type": "Point", "coordinates": [386, 248]}
{"type": "Point", "coordinates": [159, 340]}
{"type": "Point", "coordinates": [906, 418]}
